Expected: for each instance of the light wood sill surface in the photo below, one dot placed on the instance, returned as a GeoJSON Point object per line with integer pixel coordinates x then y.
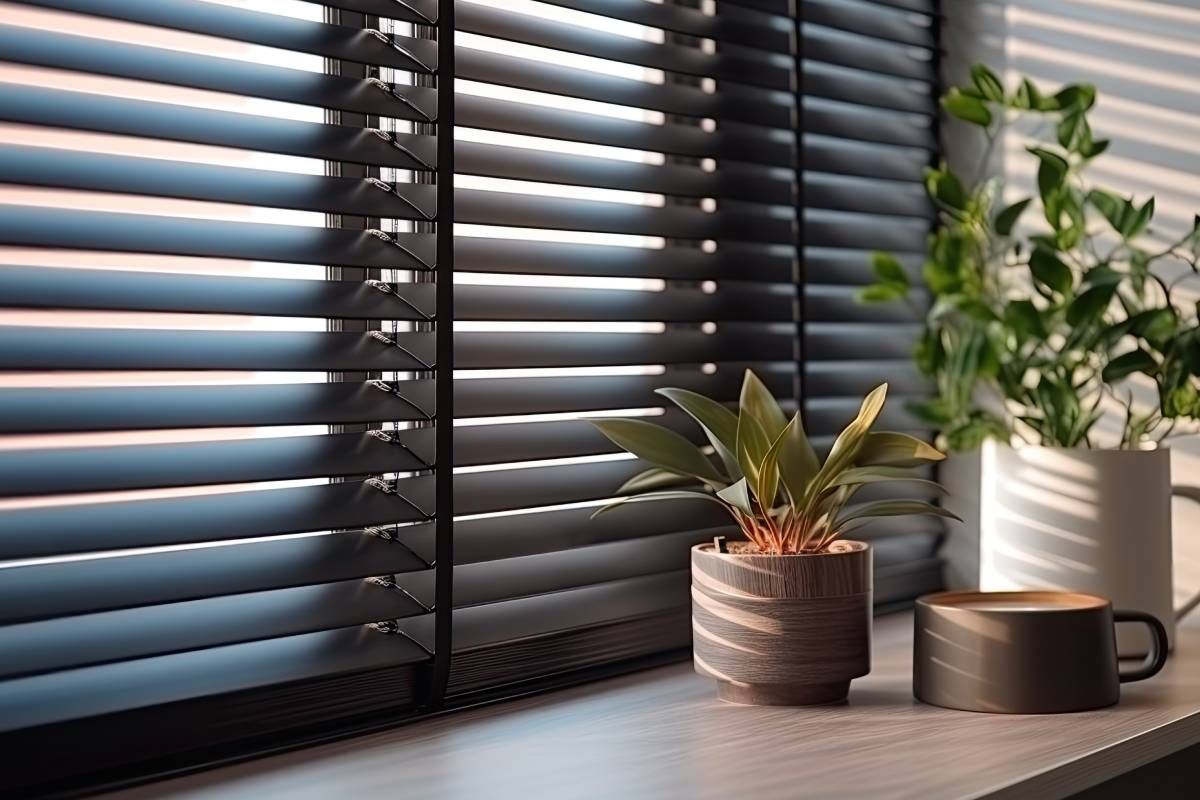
{"type": "Point", "coordinates": [663, 734]}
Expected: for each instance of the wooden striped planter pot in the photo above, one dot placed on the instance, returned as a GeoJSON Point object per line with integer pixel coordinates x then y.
{"type": "Point", "coordinates": [782, 629]}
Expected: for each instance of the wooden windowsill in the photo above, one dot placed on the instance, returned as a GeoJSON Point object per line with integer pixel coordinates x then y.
{"type": "Point", "coordinates": [663, 733]}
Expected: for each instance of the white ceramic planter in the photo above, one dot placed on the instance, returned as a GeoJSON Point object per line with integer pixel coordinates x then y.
{"type": "Point", "coordinates": [1096, 521]}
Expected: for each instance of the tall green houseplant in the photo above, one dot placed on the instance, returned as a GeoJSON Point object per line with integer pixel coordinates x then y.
{"type": "Point", "coordinates": [1040, 308]}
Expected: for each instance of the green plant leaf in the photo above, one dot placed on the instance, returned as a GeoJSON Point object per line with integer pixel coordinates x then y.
{"type": "Point", "coordinates": [718, 422]}
{"type": "Point", "coordinates": [1137, 222]}
{"type": "Point", "coordinates": [661, 447]}
{"type": "Point", "coordinates": [1052, 171]}
{"type": "Point", "coordinates": [654, 478]}
{"type": "Point", "coordinates": [1109, 205]}
{"type": "Point", "coordinates": [940, 276]}
{"type": "Point", "coordinates": [757, 400]}
{"type": "Point", "coordinates": [1127, 364]}
{"type": "Point", "coordinates": [846, 446]}
{"type": "Point", "coordinates": [1028, 97]}
{"type": "Point", "coordinates": [888, 270]}
{"type": "Point", "coordinates": [767, 486]}
{"type": "Point", "coordinates": [862, 476]}
{"type": "Point", "coordinates": [945, 187]}
{"type": "Point", "coordinates": [880, 293]}
{"type": "Point", "coordinates": [653, 496]}
{"type": "Point", "coordinates": [738, 496]}
{"type": "Point", "coordinates": [891, 449]}
{"type": "Point", "coordinates": [1094, 148]}
{"type": "Point", "coordinates": [1007, 219]}
{"type": "Point", "coordinates": [1024, 319]}
{"type": "Point", "coordinates": [935, 411]}
{"type": "Point", "coordinates": [752, 446]}
{"type": "Point", "coordinates": [1155, 325]}
{"type": "Point", "coordinates": [895, 508]}
{"type": "Point", "coordinates": [971, 434]}
{"type": "Point", "coordinates": [1048, 270]}
{"type": "Point", "coordinates": [798, 462]}
{"type": "Point", "coordinates": [1090, 304]}
{"type": "Point", "coordinates": [1182, 401]}
{"type": "Point", "coordinates": [1081, 96]}
{"type": "Point", "coordinates": [967, 108]}
{"type": "Point", "coordinates": [1103, 275]}
{"type": "Point", "coordinates": [1069, 128]}
{"type": "Point", "coordinates": [988, 83]}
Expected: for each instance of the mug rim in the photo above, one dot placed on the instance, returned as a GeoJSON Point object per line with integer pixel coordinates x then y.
{"type": "Point", "coordinates": [1077, 601]}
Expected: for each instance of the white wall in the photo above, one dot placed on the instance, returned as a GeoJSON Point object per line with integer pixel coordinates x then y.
{"type": "Point", "coordinates": [1144, 58]}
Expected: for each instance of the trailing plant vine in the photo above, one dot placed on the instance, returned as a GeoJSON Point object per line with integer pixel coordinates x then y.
{"type": "Point", "coordinates": [1026, 334]}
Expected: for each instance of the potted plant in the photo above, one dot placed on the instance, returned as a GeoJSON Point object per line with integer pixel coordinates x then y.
{"type": "Point", "coordinates": [1062, 346]}
{"type": "Point", "coordinates": [783, 617]}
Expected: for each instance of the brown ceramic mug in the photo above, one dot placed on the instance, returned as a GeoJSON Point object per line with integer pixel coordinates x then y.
{"type": "Point", "coordinates": [1024, 652]}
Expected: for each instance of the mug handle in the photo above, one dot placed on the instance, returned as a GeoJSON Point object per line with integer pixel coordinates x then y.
{"type": "Point", "coordinates": [1157, 657]}
{"type": "Point", "coordinates": [1191, 493]}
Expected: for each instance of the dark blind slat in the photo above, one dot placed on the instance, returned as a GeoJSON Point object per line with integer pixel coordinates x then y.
{"type": "Point", "coordinates": [847, 121]}
{"type": "Point", "coordinates": [738, 181]}
{"type": "Point", "coordinates": [130, 290]}
{"type": "Point", "coordinates": [271, 30]}
{"type": "Point", "coordinates": [513, 578]}
{"type": "Point", "coordinates": [481, 397]}
{"type": "Point", "coordinates": [770, 33]}
{"type": "Point", "coordinates": [860, 340]}
{"type": "Point", "coordinates": [59, 530]}
{"type": "Point", "coordinates": [61, 697]}
{"type": "Point", "coordinates": [861, 52]}
{"type": "Point", "coordinates": [732, 260]}
{"type": "Point", "coordinates": [823, 228]}
{"type": "Point", "coordinates": [869, 89]}
{"type": "Point", "coordinates": [30, 348]}
{"type": "Point", "coordinates": [747, 66]}
{"type": "Point", "coordinates": [731, 140]}
{"type": "Point", "coordinates": [754, 224]}
{"type": "Point", "coordinates": [584, 607]}
{"type": "Point", "coordinates": [137, 62]}
{"type": "Point", "coordinates": [535, 441]}
{"type": "Point", "coordinates": [855, 379]}
{"type": "Point", "coordinates": [79, 587]}
{"type": "Point", "coordinates": [294, 244]}
{"type": "Point", "coordinates": [92, 639]}
{"type": "Point", "coordinates": [506, 490]}
{"type": "Point", "coordinates": [118, 115]}
{"type": "Point", "coordinates": [735, 301]}
{"type": "Point", "coordinates": [60, 410]}
{"type": "Point", "coordinates": [421, 12]}
{"type": "Point", "coordinates": [731, 342]}
{"type": "Point", "coordinates": [864, 159]}
{"type": "Point", "coordinates": [152, 466]}
{"type": "Point", "coordinates": [871, 19]}
{"type": "Point", "coordinates": [750, 105]}
{"type": "Point", "coordinates": [65, 169]}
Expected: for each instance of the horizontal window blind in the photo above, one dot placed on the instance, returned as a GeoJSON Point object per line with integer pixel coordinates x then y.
{"type": "Point", "coordinates": [253, 480]}
{"type": "Point", "coordinates": [625, 206]}
{"type": "Point", "coordinates": [225, 345]}
{"type": "Point", "coordinates": [679, 267]}
{"type": "Point", "coordinates": [870, 87]}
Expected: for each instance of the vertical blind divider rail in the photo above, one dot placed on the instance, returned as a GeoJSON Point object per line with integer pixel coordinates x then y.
{"type": "Point", "coordinates": [443, 608]}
